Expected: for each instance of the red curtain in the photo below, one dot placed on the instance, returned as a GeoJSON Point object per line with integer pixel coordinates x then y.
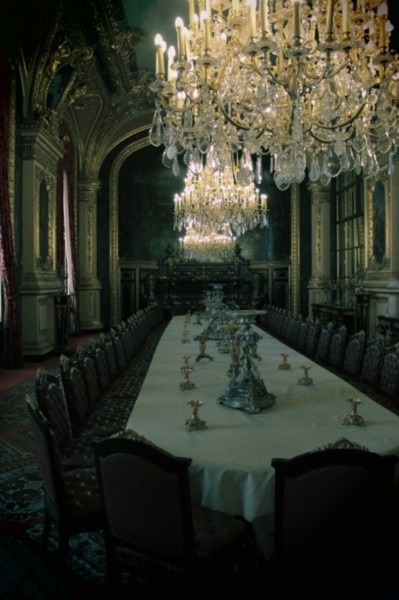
{"type": "Point", "coordinates": [12, 344]}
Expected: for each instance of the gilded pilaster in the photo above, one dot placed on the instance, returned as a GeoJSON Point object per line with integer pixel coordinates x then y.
{"type": "Point", "coordinates": [321, 243]}
{"type": "Point", "coordinates": [114, 259]}
{"type": "Point", "coordinates": [393, 240]}
{"type": "Point", "coordinates": [295, 249]}
{"type": "Point", "coordinates": [89, 285]}
{"type": "Point", "coordinates": [39, 281]}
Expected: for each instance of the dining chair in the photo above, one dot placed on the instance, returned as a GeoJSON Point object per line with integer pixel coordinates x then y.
{"type": "Point", "coordinates": [372, 362]}
{"type": "Point", "coordinates": [293, 330]}
{"type": "Point", "coordinates": [72, 501]}
{"type": "Point", "coordinates": [151, 526]}
{"type": "Point", "coordinates": [334, 510]}
{"type": "Point", "coordinates": [354, 353]}
{"type": "Point", "coordinates": [389, 379]}
{"type": "Point", "coordinates": [107, 407]}
{"type": "Point", "coordinates": [73, 451]}
{"type": "Point", "coordinates": [302, 335]}
{"type": "Point", "coordinates": [87, 418]}
{"type": "Point", "coordinates": [312, 338]}
{"type": "Point", "coordinates": [323, 343]}
{"type": "Point", "coordinates": [337, 348]}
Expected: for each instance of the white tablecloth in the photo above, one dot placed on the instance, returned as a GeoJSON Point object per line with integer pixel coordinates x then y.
{"type": "Point", "coordinates": [231, 468]}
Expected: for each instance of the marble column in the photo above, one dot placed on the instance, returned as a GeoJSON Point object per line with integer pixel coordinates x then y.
{"type": "Point", "coordinates": [321, 244]}
{"type": "Point", "coordinates": [89, 284]}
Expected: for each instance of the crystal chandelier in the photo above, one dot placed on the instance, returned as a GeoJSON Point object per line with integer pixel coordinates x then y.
{"type": "Point", "coordinates": [208, 246]}
{"type": "Point", "coordinates": [213, 198]}
{"type": "Point", "coordinates": [314, 85]}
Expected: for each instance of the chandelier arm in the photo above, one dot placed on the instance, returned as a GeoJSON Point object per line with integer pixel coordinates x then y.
{"type": "Point", "coordinates": [392, 97]}
{"type": "Point", "coordinates": [340, 125]}
{"type": "Point", "coordinates": [240, 125]}
{"type": "Point", "coordinates": [324, 141]}
{"type": "Point", "coordinates": [216, 89]}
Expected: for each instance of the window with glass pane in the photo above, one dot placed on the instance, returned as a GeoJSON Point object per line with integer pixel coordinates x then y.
{"type": "Point", "coordinates": [349, 232]}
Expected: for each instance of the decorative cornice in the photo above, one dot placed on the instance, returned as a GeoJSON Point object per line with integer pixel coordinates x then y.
{"type": "Point", "coordinates": [40, 142]}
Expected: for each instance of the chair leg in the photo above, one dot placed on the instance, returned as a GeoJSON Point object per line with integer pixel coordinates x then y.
{"type": "Point", "coordinates": [63, 543]}
{"type": "Point", "coordinates": [46, 529]}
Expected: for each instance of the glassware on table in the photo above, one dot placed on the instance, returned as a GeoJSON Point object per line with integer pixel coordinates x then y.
{"type": "Point", "coordinates": [353, 418]}
{"type": "Point", "coordinates": [202, 339]}
{"type": "Point", "coordinates": [194, 423]}
{"type": "Point", "coordinates": [284, 364]}
{"type": "Point", "coordinates": [186, 369]}
{"type": "Point", "coordinates": [305, 380]}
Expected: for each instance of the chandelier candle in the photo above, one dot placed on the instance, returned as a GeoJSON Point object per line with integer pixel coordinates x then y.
{"type": "Point", "coordinates": [314, 86]}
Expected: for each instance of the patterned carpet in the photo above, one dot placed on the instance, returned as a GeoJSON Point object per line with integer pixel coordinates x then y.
{"type": "Point", "coordinates": [26, 570]}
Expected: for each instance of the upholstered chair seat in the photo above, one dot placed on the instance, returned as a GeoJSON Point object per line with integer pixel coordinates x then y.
{"type": "Point", "coordinates": [337, 348]}
{"type": "Point", "coordinates": [389, 380]}
{"type": "Point", "coordinates": [302, 335]}
{"type": "Point", "coordinates": [312, 339]}
{"type": "Point", "coordinates": [354, 353]}
{"type": "Point", "coordinates": [332, 526]}
{"type": "Point", "coordinates": [151, 526]}
{"type": "Point", "coordinates": [323, 344]}
{"type": "Point", "coordinates": [372, 362]}
{"type": "Point", "coordinates": [72, 499]}
{"type": "Point", "coordinates": [85, 419]}
{"type": "Point", "coordinates": [73, 451]}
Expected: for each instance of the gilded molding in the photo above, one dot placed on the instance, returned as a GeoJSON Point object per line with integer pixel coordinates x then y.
{"type": "Point", "coordinates": [372, 263]}
{"type": "Point", "coordinates": [295, 248]}
{"type": "Point", "coordinates": [41, 143]}
{"type": "Point", "coordinates": [46, 263]}
{"type": "Point", "coordinates": [320, 195]}
{"type": "Point", "coordinates": [88, 200]}
{"type": "Point", "coordinates": [114, 260]}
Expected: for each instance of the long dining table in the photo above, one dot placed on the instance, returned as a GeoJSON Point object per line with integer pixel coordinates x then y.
{"type": "Point", "coordinates": [231, 458]}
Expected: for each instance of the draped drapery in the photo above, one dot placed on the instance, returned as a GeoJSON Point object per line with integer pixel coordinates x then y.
{"type": "Point", "coordinates": [12, 343]}
{"type": "Point", "coordinates": [67, 253]}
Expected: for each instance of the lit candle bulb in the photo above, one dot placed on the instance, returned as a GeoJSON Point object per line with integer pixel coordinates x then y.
{"type": "Point", "coordinates": [330, 15]}
{"type": "Point", "coordinates": [252, 17]}
{"type": "Point", "coordinates": [187, 46]}
{"type": "Point", "coordinates": [345, 17]}
{"type": "Point", "coordinates": [207, 29]}
{"type": "Point", "coordinates": [171, 58]}
{"type": "Point", "coordinates": [264, 17]}
{"type": "Point", "coordinates": [297, 28]}
{"type": "Point", "coordinates": [382, 25]}
{"type": "Point", "coordinates": [191, 12]}
{"type": "Point", "coordinates": [180, 41]}
{"type": "Point", "coordinates": [160, 48]}
{"type": "Point", "coordinates": [202, 17]}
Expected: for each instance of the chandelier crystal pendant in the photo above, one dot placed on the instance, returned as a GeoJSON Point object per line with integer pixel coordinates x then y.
{"type": "Point", "coordinates": [314, 85]}
{"type": "Point", "coordinates": [215, 199]}
{"type": "Point", "coordinates": [208, 246]}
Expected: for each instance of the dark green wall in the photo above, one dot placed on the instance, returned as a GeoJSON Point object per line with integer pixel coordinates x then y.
{"type": "Point", "coordinates": [146, 191]}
